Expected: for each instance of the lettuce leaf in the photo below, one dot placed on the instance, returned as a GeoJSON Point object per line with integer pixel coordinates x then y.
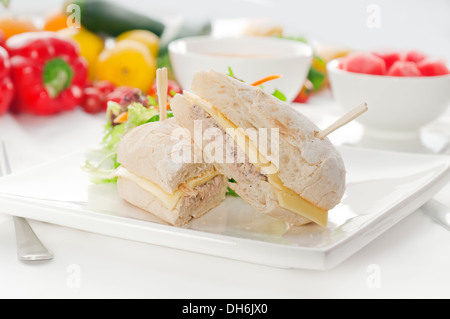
{"type": "Point", "coordinates": [102, 162]}
{"type": "Point", "coordinates": [278, 94]}
{"type": "Point", "coordinates": [5, 3]}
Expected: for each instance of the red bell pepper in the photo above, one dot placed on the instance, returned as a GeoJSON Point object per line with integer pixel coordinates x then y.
{"type": "Point", "coordinates": [48, 73]}
{"type": "Point", "coordinates": [6, 84]}
{"type": "Point", "coordinates": [2, 38]}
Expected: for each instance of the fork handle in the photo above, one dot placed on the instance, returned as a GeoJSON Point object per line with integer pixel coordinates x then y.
{"type": "Point", "coordinates": [29, 247]}
{"type": "Point", "coordinates": [438, 212]}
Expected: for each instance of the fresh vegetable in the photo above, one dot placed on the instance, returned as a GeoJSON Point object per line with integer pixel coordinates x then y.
{"type": "Point", "coordinates": [55, 21]}
{"type": "Point", "coordinates": [277, 93]}
{"type": "Point", "coordinates": [121, 118]}
{"type": "Point", "coordinates": [231, 192]}
{"type": "Point", "coordinates": [2, 38]}
{"type": "Point", "coordinates": [145, 37]}
{"type": "Point", "coordinates": [317, 78]}
{"type": "Point", "coordinates": [317, 74]}
{"type": "Point", "coordinates": [163, 61]}
{"type": "Point", "coordinates": [266, 79]}
{"type": "Point", "coordinates": [128, 63]}
{"type": "Point", "coordinates": [101, 16]}
{"type": "Point", "coordinates": [103, 162]}
{"type": "Point", "coordinates": [96, 96]}
{"type": "Point", "coordinates": [126, 95]}
{"type": "Point", "coordinates": [105, 87]}
{"type": "Point", "coordinates": [91, 45]}
{"type": "Point", "coordinates": [12, 25]}
{"type": "Point", "coordinates": [6, 84]}
{"type": "Point", "coordinates": [394, 63]}
{"type": "Point", "coordinates": [49, 74]}
{"type": "Point", "coordinates": [93, 100]}
{"type": "Point", "coordinates": [112, 19]}
{"type": "Point", "coordinates": [305, 94]}
{"type": "Point", "coordinates": [172, 89]}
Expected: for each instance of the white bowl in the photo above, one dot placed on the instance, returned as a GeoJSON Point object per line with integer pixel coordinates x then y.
{"type": "Point", "coordinates": [398, 106]}
{"type": "Point", "coordinates": [250, 59]}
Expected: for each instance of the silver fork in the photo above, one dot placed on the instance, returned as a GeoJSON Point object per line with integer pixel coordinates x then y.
{"type": "Point", "coordinates": [29, 247]}
{"type": "Point", "coordinates": [437, 211]}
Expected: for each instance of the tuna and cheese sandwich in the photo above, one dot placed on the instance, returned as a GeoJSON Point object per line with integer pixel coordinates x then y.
{"type": "Point", "coordinates": [297, 180]}
{"type": "Point", "coordinates": [152, 180]}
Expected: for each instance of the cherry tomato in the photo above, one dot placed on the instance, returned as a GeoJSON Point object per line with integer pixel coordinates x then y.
{"type": "Point", "coordinates": [304, 95]}
{"type": "Point", "coordinates": [7, 94]}
{"type": "Point", "coordinates": [172, 89]}
{"type": "Point", "coordinates": [125, 95]}
{"type": "Point", "coordinates": [93, 100]}
{"type": "Point", "coordinates": [6, 84]}
{"type": "Point", "coordinates": [105, 87]}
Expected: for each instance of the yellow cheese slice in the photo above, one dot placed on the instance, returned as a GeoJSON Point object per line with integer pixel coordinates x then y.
{"type": "Point", "coordinates": [287, 198]}
{"type": "Point", "coordinates": [202, 179]}
{"type": "Point", "coordinates": [169, 200]}
{"type": "Point", "coordinates": [237, 133]}
{"type": "Point", "coordinates": [291, 201]}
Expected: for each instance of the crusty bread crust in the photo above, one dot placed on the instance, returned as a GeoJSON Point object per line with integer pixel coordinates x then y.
{"type": "Point", "coordinates": [254, 190]}
{"type": "Point", "coordinates": [147, 152]}
{"type": "Point", "coordinates": [311, 167]}
{"type": "Point", "coordinates": [186, 209]}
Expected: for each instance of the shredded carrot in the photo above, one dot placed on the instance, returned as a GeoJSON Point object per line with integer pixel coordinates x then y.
{"type": "Point", "coordinates": [266, 79]}
{"type": "Point", "coordinates": [168, 106]}
{"type": "Point", "coordinates": [122, 118]}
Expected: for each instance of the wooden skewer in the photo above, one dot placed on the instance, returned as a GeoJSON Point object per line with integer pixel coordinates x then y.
{"type": "Point", "coordinates": [347, 118]}
{"type": "Point", "coordinates": [162, 84]}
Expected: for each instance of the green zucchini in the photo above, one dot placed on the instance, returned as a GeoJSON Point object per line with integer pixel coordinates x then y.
{"type": "Point", "coordinates": [111, 19]}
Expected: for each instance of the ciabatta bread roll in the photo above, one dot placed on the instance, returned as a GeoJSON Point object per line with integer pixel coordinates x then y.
{"type": "Point", "coordinates": [300, 177]}
{"type": "Point", "coordinates": [152, 180]}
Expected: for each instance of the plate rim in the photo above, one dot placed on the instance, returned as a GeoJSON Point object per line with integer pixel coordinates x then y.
{"type": "Point", "coordinates": [325, 256]}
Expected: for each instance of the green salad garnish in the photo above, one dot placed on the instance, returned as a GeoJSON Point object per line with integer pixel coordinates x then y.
{"type": "Point", "coordinates": [102, 162]}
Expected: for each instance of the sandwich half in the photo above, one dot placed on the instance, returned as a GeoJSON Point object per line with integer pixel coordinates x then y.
{"type": "Point", "coordinates": [297, 178]}
{"type": "Point", "coordinates": [152, 180]}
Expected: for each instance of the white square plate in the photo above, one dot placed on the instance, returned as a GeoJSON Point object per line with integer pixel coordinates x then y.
{"type": "Point", "coordinates": [382, 189]}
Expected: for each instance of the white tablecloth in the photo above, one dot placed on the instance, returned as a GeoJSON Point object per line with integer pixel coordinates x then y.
{"type": "Point", "coordinates": [411, 260]}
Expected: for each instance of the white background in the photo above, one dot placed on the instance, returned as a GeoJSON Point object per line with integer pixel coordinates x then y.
{"type": "Point", "coordinates": [412, 259]}
{"type": "Point", "coordinates": [416, 24]}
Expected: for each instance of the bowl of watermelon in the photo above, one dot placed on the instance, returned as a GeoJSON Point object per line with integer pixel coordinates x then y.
{"type": "Point", "coordinates": [404, 90]}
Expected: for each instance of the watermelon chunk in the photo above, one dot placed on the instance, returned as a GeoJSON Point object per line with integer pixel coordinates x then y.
{"type": "Point", "coordinates": [364, 62]}
{"type": "Point", "coordinates": [389, 57]}
{"type": "Point", "coordinates": [415, 56]}
{"type": "Point", "coordinates": [430, 67]}
{"type": "Point", "coordinates": [343, 64]}
{"type": "Point", "coordinates": [404, 68]}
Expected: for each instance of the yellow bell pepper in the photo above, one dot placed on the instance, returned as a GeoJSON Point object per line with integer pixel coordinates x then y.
{"type": "Point", "coordinates": [91, 45]}
{"type": "Point", "coordinates": [128, 63]}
